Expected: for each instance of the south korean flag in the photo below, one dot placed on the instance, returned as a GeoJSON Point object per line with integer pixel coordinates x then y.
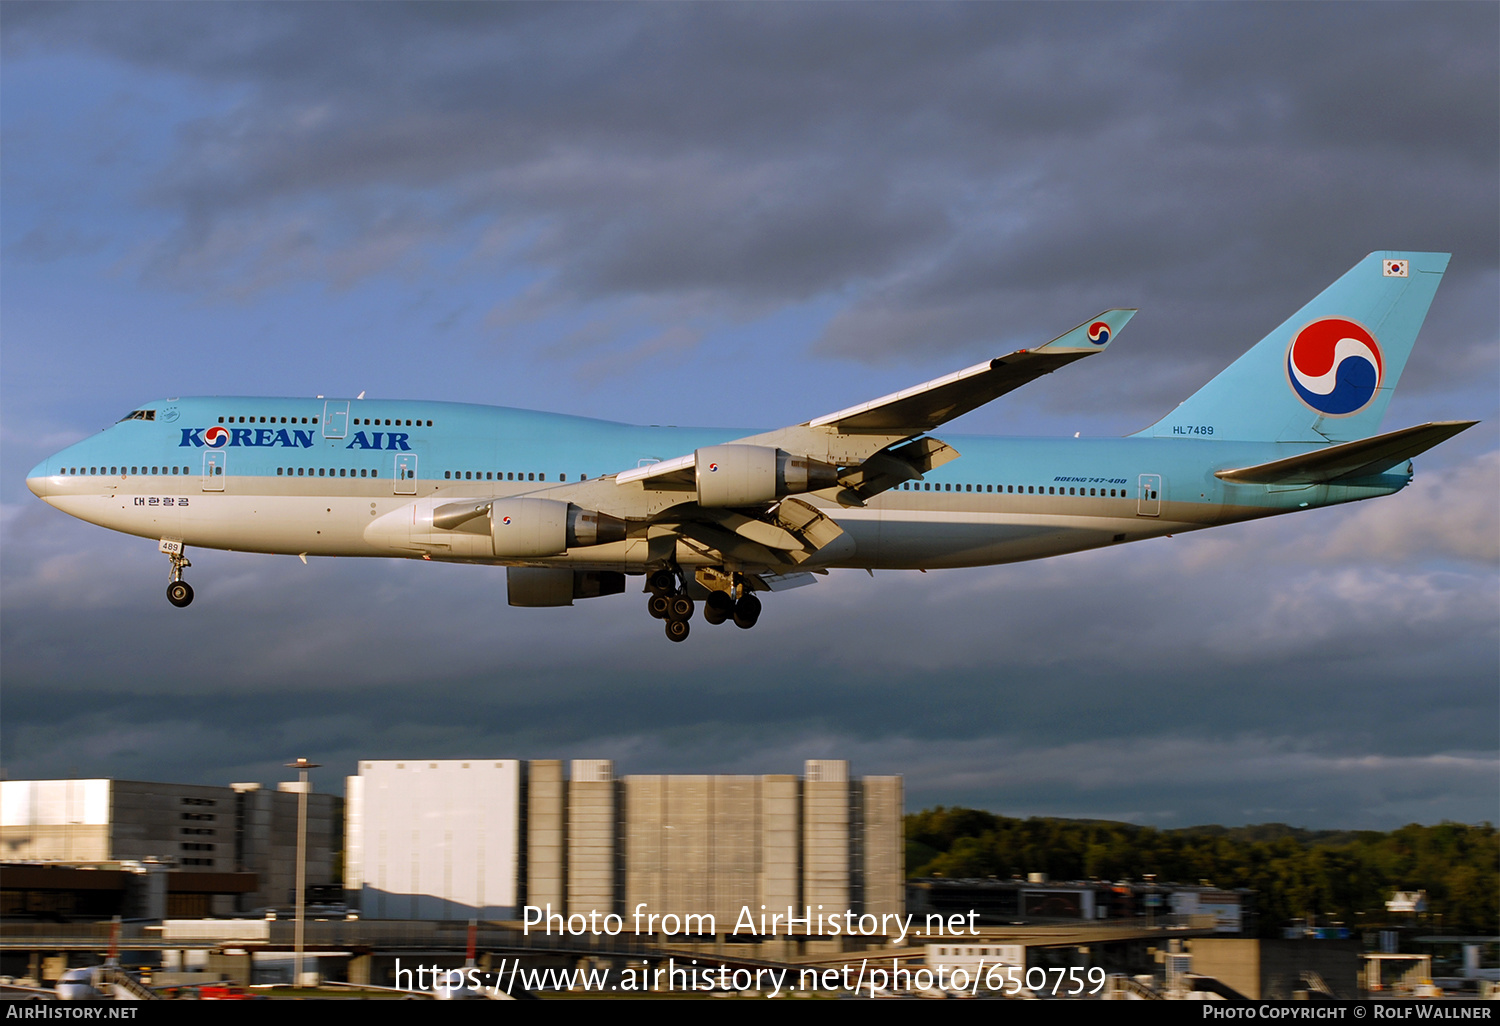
{"type": "Point", "coordinates": [1396, 269]}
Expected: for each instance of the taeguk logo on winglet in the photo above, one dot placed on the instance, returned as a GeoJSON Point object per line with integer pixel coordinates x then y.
{"type": "Point", "coordinates": [216, 437]}
{"type": "Point", "coordinates": [1334, 366]}
{"type": "Point", "coordinates": [1099, 333]}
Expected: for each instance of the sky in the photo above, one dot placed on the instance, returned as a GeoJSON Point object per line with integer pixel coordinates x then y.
{"type": "Point", "coordinates": [750, 215]}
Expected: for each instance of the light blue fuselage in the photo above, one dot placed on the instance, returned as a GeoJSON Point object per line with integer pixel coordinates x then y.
{"type": "Point", "coordinates": [302, 476]}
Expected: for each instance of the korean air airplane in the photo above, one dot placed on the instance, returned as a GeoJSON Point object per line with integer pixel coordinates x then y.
{"type": "Point", "coordinates": [573, 506]}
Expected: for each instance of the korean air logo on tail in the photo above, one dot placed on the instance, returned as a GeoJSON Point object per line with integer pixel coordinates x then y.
{"type": "Point", "coordinates": [1334, 366]}
{"type": "Point", "coordinates": [216, 437]}
{"type": "Point", "coordinates": [1099, 333]}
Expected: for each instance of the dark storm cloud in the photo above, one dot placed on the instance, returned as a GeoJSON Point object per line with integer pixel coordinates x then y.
{"type": "Point", "coordinates": [932, 178]}
{"type": "Point", "coordinates": [940, 167]}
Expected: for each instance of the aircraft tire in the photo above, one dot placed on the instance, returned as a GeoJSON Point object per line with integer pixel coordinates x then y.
{"type": "Point", "coordinates": [677, 630]}
{"type": "Point", "coordinates": [681, 608]}
{"type": "Point", "coordinates": [663, 581]}
{"type": "Point", "coordinates": [180, 593]}
{"type": "Point", "coordinates": [746, 612]}
{"type": "Point", "coordinates": [659, 605]}
{"type": "Point", "coordinates": [718, 608]}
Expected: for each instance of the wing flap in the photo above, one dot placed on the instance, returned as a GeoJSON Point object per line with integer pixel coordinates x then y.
{"type": "Point", "coordinates": [890, 467]}
{"type": "Point", "coordinates": [1364, 458]}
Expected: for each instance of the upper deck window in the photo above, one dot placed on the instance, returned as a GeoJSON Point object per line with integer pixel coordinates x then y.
{"type": "Point", "coordinates": [138, 415]}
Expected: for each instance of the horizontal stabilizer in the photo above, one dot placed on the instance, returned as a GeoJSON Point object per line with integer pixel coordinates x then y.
{"type": "Point", "coordinates": [1364, 458]}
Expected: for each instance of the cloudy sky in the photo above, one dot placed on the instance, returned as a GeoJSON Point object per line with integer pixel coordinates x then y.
{"type": "Point", "coordinates": [749, 215]}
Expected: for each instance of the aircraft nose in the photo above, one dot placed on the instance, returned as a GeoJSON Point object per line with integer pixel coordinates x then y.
{"type": "Point", "coordinates": [37, 480]}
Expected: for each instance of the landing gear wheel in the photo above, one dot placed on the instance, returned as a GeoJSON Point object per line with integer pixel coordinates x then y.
{"type": "Point", "coordinates": [718, 607]}
{"type": "Point", "coordinates": [677, 630]}
{"type": "Point", "coordinates": [746, 612]}
{"type": "Point", "coordinates": [179, 593]}
{"type": "Point", "coordinates": [659, 606]}
{"type": "Point", "coordinates": [681, 608]}
{"type": "Point", "coordinates": [664, 581]}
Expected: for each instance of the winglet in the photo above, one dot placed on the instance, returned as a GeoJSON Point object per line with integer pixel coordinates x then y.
{"type": "Point", "coordinates": [1090, 336]}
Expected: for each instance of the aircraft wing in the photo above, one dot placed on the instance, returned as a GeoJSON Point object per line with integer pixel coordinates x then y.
{"type": "Point", "coordinates": [739, 500]}
{"type": "Point", "coordinates": [928, 405]}
{"type": "Point", "coordinates": [850, 436]}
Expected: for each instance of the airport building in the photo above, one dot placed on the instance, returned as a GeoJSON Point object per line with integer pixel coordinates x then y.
{"type": "Point", "coordinates": [157, 850]}
{"type": "Point", "coordinates": [484, 838]}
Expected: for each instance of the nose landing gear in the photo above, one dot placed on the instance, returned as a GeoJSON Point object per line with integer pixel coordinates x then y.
{"type": "Point", "coordinates": [179, 592]}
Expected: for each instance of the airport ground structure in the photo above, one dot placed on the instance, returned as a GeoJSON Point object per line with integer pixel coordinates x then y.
{"type": "Point", "coordinates": [92, 849]}
{"type": "Point", "coordinates": [489, 839]}
{"type": "Point", "coordinates": [566, 867]}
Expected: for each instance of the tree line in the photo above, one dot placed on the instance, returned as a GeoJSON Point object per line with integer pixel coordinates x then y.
{"type": "Point", "coordinates": [1330, 876]}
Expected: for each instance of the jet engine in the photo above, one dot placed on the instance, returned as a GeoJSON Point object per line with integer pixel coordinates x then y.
{"type": "Point", "coordinates": [749, 475]}
{"type": "Point", "coordinates": [547, 527]}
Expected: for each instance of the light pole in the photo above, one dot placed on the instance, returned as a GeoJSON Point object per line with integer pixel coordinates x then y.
{"type": "Point", "coordinates": [302, 766]}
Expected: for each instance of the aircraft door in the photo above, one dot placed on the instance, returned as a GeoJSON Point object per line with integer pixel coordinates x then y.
{"type": "Point", "coordinates": [335, 418]}
{"type": "Point", "coordinates": [406, 473]}
{"type": "Point", "coordinates": [214, 462]}
{"type": "Point", "coordinates": [1148, 496]}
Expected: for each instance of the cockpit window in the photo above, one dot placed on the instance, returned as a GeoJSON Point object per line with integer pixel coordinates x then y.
{"type": "Point", "coordinates": [139, 415]}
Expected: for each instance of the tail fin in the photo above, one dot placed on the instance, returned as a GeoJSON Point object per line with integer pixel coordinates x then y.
{"type": "Point", "coordinates": [1327, 374]}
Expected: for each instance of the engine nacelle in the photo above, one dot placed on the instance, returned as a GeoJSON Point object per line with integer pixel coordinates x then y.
{"type": "Point", "coordinates": [545, 586]}
{"type": "Point", "coordinates": [748, 475]}
{"type": "Point", "coordinates": [548, 527]}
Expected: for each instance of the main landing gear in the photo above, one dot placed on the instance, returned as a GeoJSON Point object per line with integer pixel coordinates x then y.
{"type": "Point", "coordinates": [179, 592]}
{"type": "Point", "coordinates": [668, 601]}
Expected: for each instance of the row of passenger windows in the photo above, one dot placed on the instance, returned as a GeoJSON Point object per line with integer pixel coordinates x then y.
{"type": "Point", "coordinates": [358, 421]}
{"type": "Point", "coordinates": [87, 471]}
{"type": "Point", "coordinates": [265, 420]}
{"type": "Point", "coordinates": [495, 475]}
{"type": "Point", "coordinates": [319, 472]}
{"type": "Point", "coordinates": [483, 475]}
{"type": "Point", "coordinates": [1014, 489]}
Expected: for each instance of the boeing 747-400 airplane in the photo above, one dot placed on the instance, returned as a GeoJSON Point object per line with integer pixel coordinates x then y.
{"type": "Point", "coordinates": [572, 506]}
